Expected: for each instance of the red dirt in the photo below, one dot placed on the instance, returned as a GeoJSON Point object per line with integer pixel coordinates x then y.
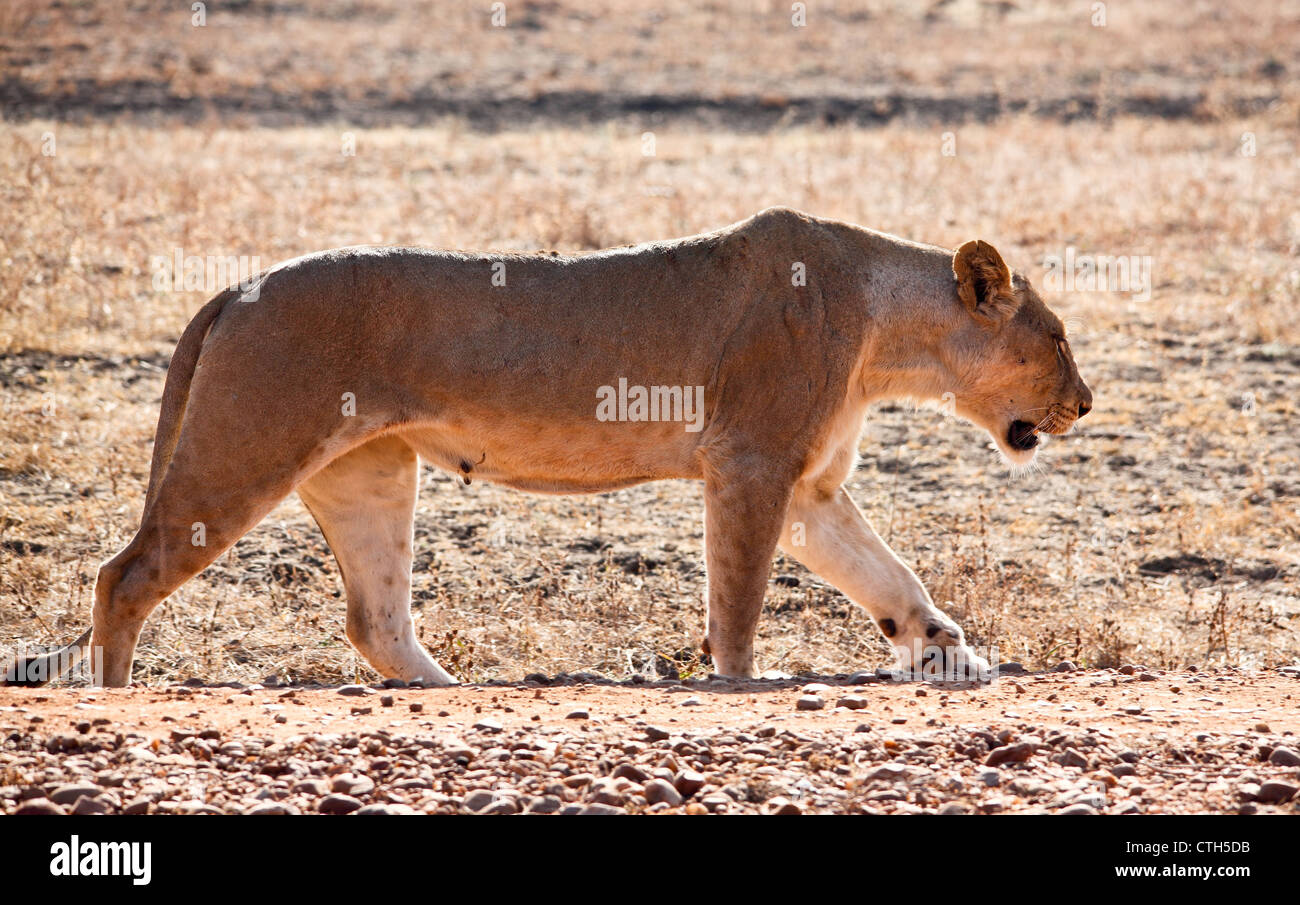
{"type": "Point", "coordinates": [1100, 741]}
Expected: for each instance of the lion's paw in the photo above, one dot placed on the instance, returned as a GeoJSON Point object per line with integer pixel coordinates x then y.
{"type": "Point", "coordinates": [939, 653]}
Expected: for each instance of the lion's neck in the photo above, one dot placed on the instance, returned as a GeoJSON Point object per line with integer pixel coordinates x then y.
{"type": "Point", "coordinates": [913, 324]}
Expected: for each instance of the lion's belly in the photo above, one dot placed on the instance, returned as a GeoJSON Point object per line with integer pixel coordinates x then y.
{"type": "Point", "coordinates": [564, 459]}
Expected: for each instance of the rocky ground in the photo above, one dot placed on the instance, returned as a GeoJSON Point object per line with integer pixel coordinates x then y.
{"type": "Point", "coordinates": [1124, 741]}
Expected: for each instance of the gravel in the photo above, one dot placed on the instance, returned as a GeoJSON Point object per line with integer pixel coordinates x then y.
{"type": "Point", "coordinates": [754, 761]}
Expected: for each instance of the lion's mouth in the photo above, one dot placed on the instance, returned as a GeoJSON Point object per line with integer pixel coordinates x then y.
{"type": "Point", "coordinates": [1022, 435]}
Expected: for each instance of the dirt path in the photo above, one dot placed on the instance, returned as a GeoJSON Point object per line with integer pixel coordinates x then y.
{"type": "Point", "coordinates": [1065, 742]}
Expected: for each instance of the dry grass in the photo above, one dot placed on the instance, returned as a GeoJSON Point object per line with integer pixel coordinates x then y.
{"type": "Point", "coordinates": [1164, 531]}
{"type": "Point", "coordinates": [357, 55]}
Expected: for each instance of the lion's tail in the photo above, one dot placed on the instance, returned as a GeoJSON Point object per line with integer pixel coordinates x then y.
{"type": "Point", "coordinates": [176, 391]}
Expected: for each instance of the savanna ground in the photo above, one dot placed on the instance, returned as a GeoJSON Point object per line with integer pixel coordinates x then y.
{"type": "Point", "coordinates": [1163, 532]}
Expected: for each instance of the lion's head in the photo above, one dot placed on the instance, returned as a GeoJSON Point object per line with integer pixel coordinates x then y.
{"type": "Point", "coordinates": [1015, 372]}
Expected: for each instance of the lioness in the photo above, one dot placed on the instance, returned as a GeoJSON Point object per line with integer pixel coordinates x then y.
{"type": "Point", "coordinates": [335, 373]}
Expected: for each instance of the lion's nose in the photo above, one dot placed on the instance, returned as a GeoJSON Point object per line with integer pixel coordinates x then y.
{"type": "Point", "coordinates": [1085, 399]}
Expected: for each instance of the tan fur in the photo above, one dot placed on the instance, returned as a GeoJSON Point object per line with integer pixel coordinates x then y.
{"type": "Point", "coordinates": [499, 383]}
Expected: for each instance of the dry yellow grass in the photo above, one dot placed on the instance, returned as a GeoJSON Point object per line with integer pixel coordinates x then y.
{"type": "Point", "coordinates": [1164, 530]}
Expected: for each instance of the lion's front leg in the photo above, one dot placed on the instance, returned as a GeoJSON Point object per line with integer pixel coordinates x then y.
{"type": "Point", "coordinates": [743, 512]}
{"type": "Point", "coordinates": [829, 535]}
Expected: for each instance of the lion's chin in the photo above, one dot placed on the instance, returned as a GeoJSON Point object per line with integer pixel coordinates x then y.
{"type": "Point", "coordinates": [1018, 442]}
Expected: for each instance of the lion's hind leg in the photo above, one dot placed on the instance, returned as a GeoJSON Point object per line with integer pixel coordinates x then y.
{"type": "Point", "coordinates": [364, 503]}
{"type": "Point", "coordinates": [202, 507]}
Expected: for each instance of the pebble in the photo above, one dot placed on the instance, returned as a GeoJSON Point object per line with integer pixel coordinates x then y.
{"type": "Point", "coordinates": [198, 808]}
{"type": "Point", "coordinates": [990, 778]}
{"type": "Point", "coordinates": [271, 809]}
{"type": "Point", "coordinates": [87, 806]}
{"type": "Point", "coordinates": [852, 702]}
{"type": "Point", "coordinates": [1078, 810]}
{"type": "Point", "coordinates": [350, 784]}
{"type": "Point", "coordinates": [355, 691]}
{"type": "Point", "coordinates": [887, 772]}
{"type": "Point", "coordinates": [810, 702]}
{"type": "Point", "coordinates": [138, 806]}
{"type": "Point", "coordinates": [1276, 792]}
{"type": "Point", "coordinates": [688, 782]}
{"type": "Point", "coordinates": [783, 807]}
{"type": "Point", "coordinates": [487, 724]}
{"type": "Point", "coordinates": [597, 809]}
{"type": "Point", "coordinates": [1284, 757]}
{"type": "Point", "coordinates": [383, 810]}
{"type": "Point", "coordinates": [578, 714]}
{"type": "Point", "coordinates": [70, 792]}
{"type": "Point", "coordinates": [1071, 757]}
{"type": "Point", "coordinates": [715, 801]}
{"type": "Point", "coordinates": [1006, 754]}
{"type": "Point", "coordinates": [547, 804]}
{"type": "Point", "coordinates": [655, 734]}
{"type": "Point", "coordinates": [38, 806]}
{"type": "Point", "coordinates": [338, 804]}
{"type": "Point", "coordinates": [630, 771]}
{"type": "Point", "coordinates": [313, 787]}
{"type": "Point", "coordinates": [477, 801]}
{"type": "Point", "coordinates": [502, 806]}
{"type": "Point", "coordinates": [657, 790]}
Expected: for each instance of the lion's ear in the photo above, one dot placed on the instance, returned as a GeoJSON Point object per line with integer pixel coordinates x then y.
{"type": "Point", "coordinates": [983, 281]}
